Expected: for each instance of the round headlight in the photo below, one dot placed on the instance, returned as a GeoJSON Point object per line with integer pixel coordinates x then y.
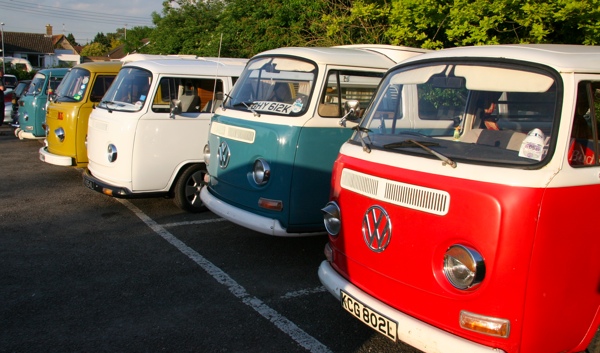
{"type": "Point", "coordinates": [206, 155]}
{"type": "Point", "coordinates": [332, 218]}
{"type": "Point", "coordinates": [464, 267]}
{"type": "Point", "coordinates": [261, 172]}
{"type": "Point", "coordinates": [112, 153]}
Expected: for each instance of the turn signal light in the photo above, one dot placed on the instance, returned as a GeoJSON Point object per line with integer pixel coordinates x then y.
{"type": "Point", "coordinates": [487, 325]}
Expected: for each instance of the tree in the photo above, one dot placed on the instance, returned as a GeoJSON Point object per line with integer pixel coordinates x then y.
{"type": "Point", "coordinates": [135, 39]}
{"type": "Point", "coordinates": [440, 24]}
{"type": "Point", "coordinates": [102, 39]}
{"type": "Point", "coordinates": [71, 39]}
{"type": "Point", "coordinates": [94, 49]}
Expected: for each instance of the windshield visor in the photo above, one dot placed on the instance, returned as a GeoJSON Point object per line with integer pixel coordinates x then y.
{"type": "Point", "coordinates": [274, 85]}
{"type": "Point", "coordinates": [472, 113]}
{"type": "Point", "coordinates": [129, 90]}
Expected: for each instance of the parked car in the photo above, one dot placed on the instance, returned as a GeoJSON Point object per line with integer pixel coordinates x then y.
{"type": "Point", "coordinates": [8, 94]}
{"type": "Point", "coordinates": [32, 106]}
{"type": "Point", "coordinates": [145, 138]}
{"type": "Point", "coordinates": [80, 91]}
{"type": "Point", "coordinates": [482, 237]}
{"type": "Point", "coordinates": [10, 81]}
{"type": "Point", "coordinates": [272, 144]}
{"type": "Point", "coordinates": [19, 91]}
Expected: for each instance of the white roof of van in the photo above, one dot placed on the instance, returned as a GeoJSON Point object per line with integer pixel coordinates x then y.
{"type": "Point", "coordinates": [375, 56]}
{"type": "Point", "coordinates": [204, 66]}
{"type": "Point", "coordinates": [562, 57]}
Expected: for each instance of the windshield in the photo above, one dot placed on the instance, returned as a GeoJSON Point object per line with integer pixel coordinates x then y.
{"type": "Point", "coordinates": [128, 91]}
{"type": "Point", "coordinates": [37, 84]}
{"type": "Point", "coordinates": [464, 112]}
{"type": "Point", "coordinates": [274, 85]}
{"type": "Point", "coordinates": [74, 85]}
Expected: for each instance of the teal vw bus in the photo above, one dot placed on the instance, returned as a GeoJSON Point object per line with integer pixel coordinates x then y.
{"type": "Point", "coordinates": [32, 106]}
{"type": "Point", "coordinates": [272, 145]}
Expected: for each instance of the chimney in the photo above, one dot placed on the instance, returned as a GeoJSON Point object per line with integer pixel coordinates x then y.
{"type": "Point", "coordinates": [48, 30]}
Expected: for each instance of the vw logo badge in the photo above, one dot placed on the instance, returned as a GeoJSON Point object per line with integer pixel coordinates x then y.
{"type": "Point", "coordinates": [377, 228]}
{"type": "Point", "coordinates": [223, 155]}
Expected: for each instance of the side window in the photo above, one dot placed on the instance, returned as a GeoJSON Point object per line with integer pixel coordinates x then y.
{"type": "Point", "coordinates": [192, 95]}
{"type": "Point", "coordinates": [583, 146]}
{"type": "Point", "coordinates": [342, 86]}
{"type": "Point", "coordinates": [100, 87]}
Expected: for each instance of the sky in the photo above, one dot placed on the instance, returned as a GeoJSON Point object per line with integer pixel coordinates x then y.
{"type": "Point", "coordinates": [84, 18]}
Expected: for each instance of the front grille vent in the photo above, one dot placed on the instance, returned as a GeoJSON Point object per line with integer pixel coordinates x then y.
{"type": "Point", "coordinates": [401, 194]}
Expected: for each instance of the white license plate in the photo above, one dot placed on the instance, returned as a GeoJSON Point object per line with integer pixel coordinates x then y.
{"type": "Point", "coordinates": [370, 317]}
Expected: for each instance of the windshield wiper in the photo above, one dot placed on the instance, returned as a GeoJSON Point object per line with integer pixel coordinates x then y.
{"type": "Point", "coordinates": [247, 107]}
{"type": "Point", "coordinates": [423, 144]}
{"type": "Point", "coordinates": [359, 129]}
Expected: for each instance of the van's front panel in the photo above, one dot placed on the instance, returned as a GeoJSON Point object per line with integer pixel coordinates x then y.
{"type": "Point", "coordinates": [475, 237]}
{"type": "Point", "coordinates": [404, 268]}
{"type": "Point", "coordinates": [273, 145]}
{"type": "Point", "coordinates": [112, 128]}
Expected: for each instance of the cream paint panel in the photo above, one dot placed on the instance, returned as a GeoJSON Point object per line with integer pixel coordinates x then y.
{"type": "Point", "coordinates": [162, 145]}
{"type": "Point", "coordinates": [105, 128]}
{"type": "Point", "coordinates": [497, 175]}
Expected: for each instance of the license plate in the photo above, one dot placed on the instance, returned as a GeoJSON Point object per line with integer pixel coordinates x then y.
{"type": "Point", "coordinates": [370, 317]}
{"type": "Point", "coordinates": [89, 184]}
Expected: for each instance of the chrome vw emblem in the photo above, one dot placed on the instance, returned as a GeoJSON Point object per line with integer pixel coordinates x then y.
{"type": "Point", "coordinates": [377, 228]}
{"type": "Point", "coordinates": [223, 155]}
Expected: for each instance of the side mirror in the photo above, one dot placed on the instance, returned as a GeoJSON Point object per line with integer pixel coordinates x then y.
{"type": "Point", "coordinates": [175, 108]}
{"type": "Point", "coordinates": [351, 110]}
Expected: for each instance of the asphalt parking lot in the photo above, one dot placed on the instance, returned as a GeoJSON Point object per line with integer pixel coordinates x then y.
{"type": "Point", "coordinates": [83, 272]}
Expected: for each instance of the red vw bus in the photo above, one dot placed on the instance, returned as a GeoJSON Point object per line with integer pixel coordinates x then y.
{"type": "Point", "coordinates": [480, 236]}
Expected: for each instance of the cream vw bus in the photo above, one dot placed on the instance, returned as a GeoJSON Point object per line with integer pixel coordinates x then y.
{"type": "Point", "coordinates": [145, 137]}
{"type": "Point", "coordinates": [272, 145]}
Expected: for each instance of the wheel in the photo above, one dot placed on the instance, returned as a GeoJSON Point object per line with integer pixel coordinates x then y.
{"type": "Point", "coordinates": [17, 132]}
{"type": "Point", "coordinates": [187, 189]}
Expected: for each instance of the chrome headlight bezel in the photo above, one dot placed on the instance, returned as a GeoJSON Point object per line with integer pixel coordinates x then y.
{"type": "Point", "coordinates": [206, 154]}
{"type": "Point", "coordinates": [332, 218]}
{"type": "Point", "coordinates": [111, 153]}
{"type": "Point", "coordinates": [60, 134]}
{"type": "Point", "coordinates": [464, 267]}
{"type": "Point", "coordinates": [261, 172]}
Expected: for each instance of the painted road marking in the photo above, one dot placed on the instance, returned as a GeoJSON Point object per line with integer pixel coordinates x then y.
{"type": "Point", "coordinates": [281, 322]}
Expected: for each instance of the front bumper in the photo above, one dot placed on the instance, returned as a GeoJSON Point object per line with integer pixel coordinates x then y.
{"type": "Point", "coordinates": [93, 183]}
{"type": "Point", "coordinates": [244, 218]}
{"type": "Point", "coordinates": [414, 332]}
{"type": "Point", "coordinates": [55, 159]}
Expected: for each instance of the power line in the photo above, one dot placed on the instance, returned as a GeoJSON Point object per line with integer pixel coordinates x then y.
{"type": "Point", "coordinates": [74, 15]}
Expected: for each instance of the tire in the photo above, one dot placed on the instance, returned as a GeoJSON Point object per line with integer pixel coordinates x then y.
{"type": "Point", "coordinates": [187, 189]}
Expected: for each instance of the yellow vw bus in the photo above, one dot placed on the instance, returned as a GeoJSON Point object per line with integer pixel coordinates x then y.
{"type": "Point", "coordinates": [68, 112]}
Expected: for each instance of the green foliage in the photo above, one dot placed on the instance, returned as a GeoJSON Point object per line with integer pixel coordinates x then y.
{"type": "Point", "coordinates": [102, 39]}
{"type": "Point", "coordinates": [433, 24]}
{"type": "Point", "coordinates": [243, 28]}
{"type": "Point", "coordinates": [71, 39]}
{"type": "Point", "coordinates": [94, 49]}
{"type": "Point", "coordinates": [134, 40]}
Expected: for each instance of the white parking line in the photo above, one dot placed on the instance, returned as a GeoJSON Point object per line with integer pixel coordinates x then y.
{"type": "Point", "coordinates": [281, 322]}
{"type": "Point", "coordinates": [303, 292]}
{"type": "Point", "coordinates": [202, 221]}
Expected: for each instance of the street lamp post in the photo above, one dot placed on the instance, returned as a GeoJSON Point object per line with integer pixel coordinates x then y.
{"type": "Point", "coordinates": [2, 30]}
